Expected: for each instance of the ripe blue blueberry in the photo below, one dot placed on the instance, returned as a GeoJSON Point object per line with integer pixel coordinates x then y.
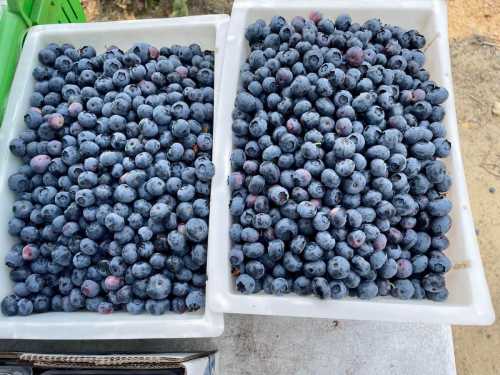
{"type": "Point", "coordinates": [279, 286]}
{"type": "Point", "coordinates": [195, 300]}
{"type": "Point", "coordinates": [245, 284]}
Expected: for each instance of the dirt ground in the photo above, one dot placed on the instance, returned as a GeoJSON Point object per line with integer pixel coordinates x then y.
{"type": "Point", "coordinates": [476, 74]}
{"type": "Point", "coordinates": [474, 17]}
{"type": "Point", "coordinates": [474, 30]}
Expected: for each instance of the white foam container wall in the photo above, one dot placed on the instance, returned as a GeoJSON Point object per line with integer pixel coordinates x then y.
{"type": "Point", "coordinates": [469, 300]}
{"type": "Point", "coordinates": [209, 32]}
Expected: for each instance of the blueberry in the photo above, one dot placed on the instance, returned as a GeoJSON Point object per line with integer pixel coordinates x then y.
{"type": "Point", "coordinates": [302, 286]}
{"type": "Point", "coordinates": [301, 177]}
{"type": "Point", "coordinates": [262, 221]}
{"type": "Point", "coordinates": [354, 56]}
{"type": "Point", "coordinates": [285, 229]}
{"type": "Point", "coordinates": [18, 182]}
{"type": "Point", "coordinates": [47, 56]}
{"type": "Point", "coordinates": [437, 96]}
{"type": "Point", "coordinates": [405, 205]}
{"type": "Point", "coordinates": [438, 296]}
{"type": "Point", "coordinates": [204, 168]}
{"type": "Point", "coordinates": [245, 102]}
{"type": "Point", "coordinates": [114, 222]}
{"type": "Point", "coordinates": [24, 307]}
{"type": "Point", "coordinates": [81, 260]}
{"type": "Point", "coordinates": [40, 163]}
{"type": "Point", "coordinates": [253, 250]}
{"type": "Point", "coordinates": [256, 184]}
{"type": "Point", "coordinates": [433, 283]}
{"type": "Point", "coordinates": [423, 150]}
{"type": "Point", "coordinates": [34, 283]}
{"type": "Point", "coordinates": [438, 262]}
{"type": "Point", "coordinates": [312, 252]}
{"type": "Point", "coordinates": [321, 288]}
{"type": "Point", "coordinates": [330, 178]}
{"type": "Point", "coordinates": [278, 195]}
{"type": "Point", "coordinates": [338, 217]}
{"type": "Point", "coordinates": [389, 269]}
{"type": "Point", "coordinates": [405, 268]}
{"type": "Point", "coordinates": [356, 238]}
{"type": "Point", "coordinates": [196, 229]}
{"type": "Point", "coordinates": [195, 300]}
{"type": "Point", "coordinates": [29, 234]}
{"type": "Point", "coordinates": [338, 267]}
{"type": "Point", "coordinates": [110, 158]}
{"type": "Point", "coordinates": [421, 243]}
{"type": "Point", "coordinates": [367, 290]}
{"type": "Point", "coordinates": [306, 209]}
{"type": "Point", "coordinates": [403, 289]}
{"type": "Point", "coordinates": [345, 168]}
{"type": "Point", "coordinates": [41, 303]}
{"type": "Point", "coordinates": [199, 255]}
{"type": "Point", "coordinates": [255, 269]}
{"type": "Point", "coordinates": [105, 308]}
{"type": "Point", "coordinates": [279, 286]}
{"type": "Point", "coordinates": [338, 289]}
{"type": "Point", "coordinates": [245, 284]}
{"type": "Point", "coordinates": [141, 270]}
{"type": "Point", "coordinates": [314, 268]}
{"type": "Point", "coordinates": [90, 288]}
{"type": "Point", "coordinates": [176, 241]}
{"type": "Point", "coordinates": [158, 287]}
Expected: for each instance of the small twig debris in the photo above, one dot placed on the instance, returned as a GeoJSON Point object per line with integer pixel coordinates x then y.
{"type": "Point", "coordinates": [461, 265]}
{"type": "Point", "coordinates": [475, 99]}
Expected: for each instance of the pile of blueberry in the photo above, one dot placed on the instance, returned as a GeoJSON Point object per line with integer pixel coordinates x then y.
{"type": "Point", "coordinates": [337, 188]}
{"type": "Point", "coordinates": [112, 199]}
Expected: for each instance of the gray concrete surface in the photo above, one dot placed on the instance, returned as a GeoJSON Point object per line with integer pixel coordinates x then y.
{"type": "Point", "coordinates": [292, 346]}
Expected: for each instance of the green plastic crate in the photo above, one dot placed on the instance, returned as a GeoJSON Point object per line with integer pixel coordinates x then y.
{"type": "Point", "coordinates": [16, 17]}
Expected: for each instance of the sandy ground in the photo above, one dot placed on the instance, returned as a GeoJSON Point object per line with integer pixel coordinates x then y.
{"type": "Point", "coordinates": [470, 17]}
{"type": "Point", "coordinates": [476, 73]}
{"type": "Point", "coordinates": [474, 30]}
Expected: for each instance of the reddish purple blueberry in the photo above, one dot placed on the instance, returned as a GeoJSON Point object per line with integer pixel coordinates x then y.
{"type": "Point", "coordinates": [40, 163]}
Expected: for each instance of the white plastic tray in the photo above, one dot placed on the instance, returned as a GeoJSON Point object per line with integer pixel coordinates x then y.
{"type": "Point", "coordinates": [209, 32]}
{"type": "Point", "coordinates": [469, 300]}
